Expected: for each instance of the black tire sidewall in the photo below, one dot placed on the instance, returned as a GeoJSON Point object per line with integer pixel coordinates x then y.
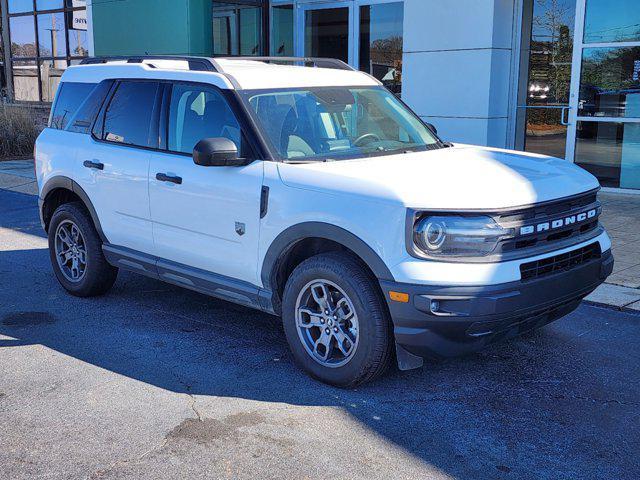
{"type": "Point", "coordinates": [93, 245]}
{"type": "Point", "coordinates": [372, 322]}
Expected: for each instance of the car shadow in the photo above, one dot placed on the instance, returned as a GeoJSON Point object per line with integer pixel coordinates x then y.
{"type": "Point", "coordinates": [557, 403]}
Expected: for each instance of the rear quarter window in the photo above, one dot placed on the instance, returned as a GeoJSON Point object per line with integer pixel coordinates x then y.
{"type": "Point", "coordinates": [70, 96]}
{"type": "Point", "coordinates": [87, 112]}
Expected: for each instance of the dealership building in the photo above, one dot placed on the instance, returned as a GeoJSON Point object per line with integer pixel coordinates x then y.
{"type": "Point", "coordinates": [556, 77]}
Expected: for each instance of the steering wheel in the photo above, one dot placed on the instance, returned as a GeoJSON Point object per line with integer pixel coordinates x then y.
{"type": "Point", "coordinates": [372, 136]}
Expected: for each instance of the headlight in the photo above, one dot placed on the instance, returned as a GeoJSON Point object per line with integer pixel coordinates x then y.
{"type": "Point", "coordinates": [451, 235]}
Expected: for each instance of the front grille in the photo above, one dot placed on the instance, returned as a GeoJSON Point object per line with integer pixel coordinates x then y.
{"type": "Point", "coordinates": [559, 263]}
{"type": "Point", "coordinates": [548, 212]}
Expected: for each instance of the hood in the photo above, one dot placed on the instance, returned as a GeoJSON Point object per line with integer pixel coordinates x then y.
{"type": "Point", "coordinates": [461, 177]}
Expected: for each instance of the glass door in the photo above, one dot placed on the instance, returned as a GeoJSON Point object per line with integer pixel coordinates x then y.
{"type": "Point", "coordinates": [237, 28]}
{"type": "Point", "coordinates": [546, 64]}
{"type": "Point", "coordinates": [325, 31]}
{"type": "Point", "coordinates": [606, 92]}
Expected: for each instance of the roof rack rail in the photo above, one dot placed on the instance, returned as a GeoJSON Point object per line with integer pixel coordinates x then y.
{"type": "Point", "coordinates": [318, 62]}
{"type": "Point", "coordinates": [195, 63]}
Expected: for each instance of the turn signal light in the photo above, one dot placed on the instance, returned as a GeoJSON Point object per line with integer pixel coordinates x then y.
{"type": "Point", "coordinates": [399, 297]}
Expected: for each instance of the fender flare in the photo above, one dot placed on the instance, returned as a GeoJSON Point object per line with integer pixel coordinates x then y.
{"type": "Point", "coordinates": [66, 183]}
{"type": "Point", "coordinates": [289, 237]}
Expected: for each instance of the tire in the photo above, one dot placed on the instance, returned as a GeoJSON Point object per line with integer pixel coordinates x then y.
{"type": "Point", "coordinates": [97, 276]}
{"type": "Point", "coordinates": [371, 344]}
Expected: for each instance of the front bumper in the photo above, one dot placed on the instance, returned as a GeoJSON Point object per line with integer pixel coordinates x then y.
{"type": "Point", "coordinates": [469, 318]}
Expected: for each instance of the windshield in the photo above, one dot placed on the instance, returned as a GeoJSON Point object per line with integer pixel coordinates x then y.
{"type": "Point", "coordinates": [336, 122]}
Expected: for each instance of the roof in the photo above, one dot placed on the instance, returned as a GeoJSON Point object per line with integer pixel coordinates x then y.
{"type": "Point", "coordinates": [226, 73]}
{"type": "Point", "coordinates": [251, 74]}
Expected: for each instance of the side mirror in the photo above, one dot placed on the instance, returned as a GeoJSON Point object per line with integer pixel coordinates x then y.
{"type": "Point", "coordinates": [433, 128]}
{"type": "Point", "coordinates": [216, 152]}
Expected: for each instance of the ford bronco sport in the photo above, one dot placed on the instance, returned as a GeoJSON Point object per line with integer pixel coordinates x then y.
{"type": "Point", "coordinates": [307, 190]}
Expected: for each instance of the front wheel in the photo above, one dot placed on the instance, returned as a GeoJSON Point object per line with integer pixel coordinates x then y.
{"type": "Point", "coordinates": [336, 324]}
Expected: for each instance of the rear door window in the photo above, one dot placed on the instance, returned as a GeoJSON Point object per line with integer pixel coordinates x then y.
{"type": "Point", "coordinates": [129, 119]}
{"type": "Point", "coordinates": [70, 97]}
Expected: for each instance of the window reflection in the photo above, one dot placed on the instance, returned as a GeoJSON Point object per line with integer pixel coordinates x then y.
{"type": "Point", "coordinates": [77, 24]}
{"type": "Point", "coordinates": [250, 30]}
{"type": "Point", "coordinates": [221, 35]}
{"type": "Point", "coordinates": [49, 4]}
{"type": "Point", "coordinates": [237, 28]}
{"type": "Point", "coordinates": [610, 82]}
{"type": "Point", "coordinates": [25, 80]}
{"type": "Point", "coordinates": [327, 33]}
{"type": "Point", "coordinates": [51, 41]}
{"type": "Point", "coordinates": [50, 73]}
{"type": "Point", "coordinates": [23, 36]}
{"type": "Point", "coordinates": [61, 40]}
{"type": "Point", "coordinates": [20, 6]}
{"type": "Point", "coordinates": [381, 40]}
{"type": "Point", "coordinates": [610, 151]}
{"type": "Point", "coordinates": [282, 35]}
{"type": "Point", "coordinates": [551, 52]}
{"type": "Point", "coordinates": [612, 21]}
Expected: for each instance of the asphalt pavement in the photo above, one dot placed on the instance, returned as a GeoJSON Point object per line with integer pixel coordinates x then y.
{"type": "Point", "coordinates": [152, 381]}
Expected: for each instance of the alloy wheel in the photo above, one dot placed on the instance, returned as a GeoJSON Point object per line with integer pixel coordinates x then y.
{"type": "Point", "coordinates": [327, 323]}
{"type": "Point", "coordinates": [71, 251]}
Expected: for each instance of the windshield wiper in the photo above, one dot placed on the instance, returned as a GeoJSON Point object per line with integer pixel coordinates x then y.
{"type": "Point", "coordinates": [306, 160]}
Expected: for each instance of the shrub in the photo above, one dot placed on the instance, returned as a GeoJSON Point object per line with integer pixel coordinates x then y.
{"type": "Point", "coordinates": [18, 131]}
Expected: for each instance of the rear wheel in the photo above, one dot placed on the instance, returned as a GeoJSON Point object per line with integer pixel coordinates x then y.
{"type": "Point", "coordinates": [76, 254]}
{"type": "Point", "coordinates": [335, 321]}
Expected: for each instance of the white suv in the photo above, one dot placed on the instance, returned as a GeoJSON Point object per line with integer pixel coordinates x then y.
{"type": "Point", "coordinates": [306, 189]}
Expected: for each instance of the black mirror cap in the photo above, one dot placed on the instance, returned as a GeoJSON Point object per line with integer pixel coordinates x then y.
{"type": "Point", "coordinates": [216, 152]}
{"type": "Point", "coordinates": [433, 128]}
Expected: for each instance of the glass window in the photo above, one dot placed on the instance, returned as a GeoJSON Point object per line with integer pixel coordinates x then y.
{"type": "Point", "coordinates": [70, 97]}
{"type": "Point", "coordinates": [610, 82]}
{"type": "Point", "coordinates": [78, 43]}
{"type": "Point", "coordinates": [381, 43]}
{"type": "Point", "coordinates": [250, 30]}
{"type": "Point", "coordinates": [20, 6]}
{"type": "Point", "coordinates": [50, 73]}
{"type": "Point", "coordinates": [130, 112]}
{"type": "Point", "coordinates": [221, 35]}
{"type": "Point", "coordinates": [49, 4]}
{"type": "Point", "coordinates": [51, 40]}
{"type": "Point", "coordinates": [612, 21]}
{"type": "Point", "coordinates": [237, 28]}
{"type": "Point", "coordinates": [196, 113]}
{"type": "Point", "coordinates": [337, 122]}
{"type": "Point", "coordinates": [327, 33]}
{"type": "Point", "coordinates": [610, 151]}
{"type": "Point", "coordinates": [282, 35]}
{"type": "Point", "coordinates": [86, 113]}
{"type": "Point", "coordinates": [25, 80]}
{"type": "Point", "coordinates": [55, 49]}
{"type": "Point", "coordinates": [23, 36]}
{"type": "Point", "coordinates": [546, 58]}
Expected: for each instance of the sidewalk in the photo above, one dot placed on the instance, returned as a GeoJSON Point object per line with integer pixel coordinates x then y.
{"type": "Point", "coordinates": [620, 216]}
{"type": "Point", "coordinates": [18, 176]}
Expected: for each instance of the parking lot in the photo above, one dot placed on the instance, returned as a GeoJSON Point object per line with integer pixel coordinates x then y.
{"type": "Point", "coordinates": [153, 381]}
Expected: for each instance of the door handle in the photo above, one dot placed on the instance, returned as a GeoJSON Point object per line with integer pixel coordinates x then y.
{"type": "Point", "coordinates": [163, 177]}
{"type": "Point", "coordinates": [562, 116]}
{"type": "Point", "coordinates": [93, 164]}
